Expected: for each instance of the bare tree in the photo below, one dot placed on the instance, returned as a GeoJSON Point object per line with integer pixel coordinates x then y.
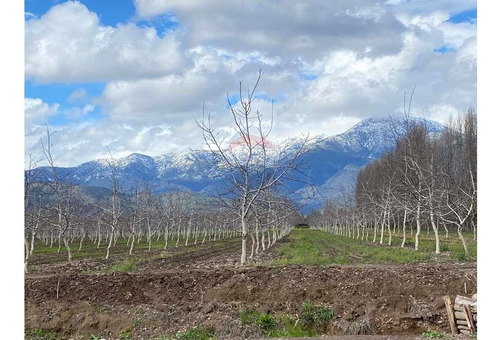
{"type": "Point", "coordinates": [32, 209]}
{"type": "Point", "coordinates": [65, 201]}
{"type": "Point", "coordinates": [254, 165]}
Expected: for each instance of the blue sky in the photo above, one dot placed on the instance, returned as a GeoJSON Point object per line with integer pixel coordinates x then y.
{"type": "Point", "coordinates": [464, 16]}
{"type": "Point", "coordinates": [111, 12]}
{"type": "Point", "coordinates": [132, 76]}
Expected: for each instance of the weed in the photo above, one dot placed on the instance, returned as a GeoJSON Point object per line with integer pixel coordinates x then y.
{"type": "Point", "coordinates": [40, 333]}
{"type": "Point", "coordinates": [125, 333]}
{"type": "Point", "coordinates": [193, 334]}
{"type": "Point", "coordinates": [94, 337]}
{"type": "Point", "coordinates": [125, 266]}
{"type": "Point", "coordinates": [461, 257]}
{"type": "Point", "coordinates": [432, 335]}
{"type": "Point", "coordinates": [267, 323]}
{"type": "Point", "coordinates": [248, 316]}
{"type": "Point", "coordinates": [317, 316]}
{"type": "Point", "coordinates": [289, 328]}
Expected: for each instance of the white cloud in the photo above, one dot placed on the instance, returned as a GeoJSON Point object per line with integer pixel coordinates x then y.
{"type": "Point", "coordinates": [36, 111]}
{"type": "Point", "coordinates": [68, 44]}
{"type": "Point", "coordinates": [284, 28]}
{"type": "Point", "coordinates": [78, 95]}
{"type": "Point", "coordinates": [363, 55]}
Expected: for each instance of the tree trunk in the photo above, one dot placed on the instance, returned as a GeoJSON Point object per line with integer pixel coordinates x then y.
{"type": "Point", "coordinates": [32, 246]}
{"type": "Point", "coordinates": [244, 230]}
{"type": "Point", "coordinates": [166, 236]}
{"type": "Point", "coordinates": [68, 249]}
{"type": "Point", "coordinates": [436, 231]}
{"type": "Point", "coordinates": [99, 233]}
{"type": "Point", "coordinates": [404, 229]}
{"type": "Point", "coordinates": [59, 243]}
{"type": "Point", "coordinates": [27, 249]}
{"type": "Point", "coordinates": [389, 227]}
{"type": "Point", "coordinates": [417, 233]}
{"type": "Point", "coordinates": [382, 228]}
{"type": "Point", "coordinates": [110, 243]}
{"type": "Point", "coordinates": [188, 232]}
{"type": "Point", "coordinates": [81, 242]}
{"type": "Point", "coordinates": [459, 230]}
{"type": "Point", "coordinates": [253, 245]}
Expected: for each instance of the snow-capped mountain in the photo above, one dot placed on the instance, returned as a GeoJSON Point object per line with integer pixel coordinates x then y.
{"type": "Point", "coordinates": [331, 164]}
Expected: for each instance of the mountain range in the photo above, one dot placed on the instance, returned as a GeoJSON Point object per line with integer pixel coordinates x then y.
{"type": "Point", "coordinates": [332, 164]}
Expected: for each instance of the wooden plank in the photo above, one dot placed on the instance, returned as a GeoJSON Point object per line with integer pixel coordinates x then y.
{"type": "Point", "coordinates": [468, 314]}
{"type": "Point", "coordinates": [461, 316]}
{"type": "Point", "coordinates": [464, 300]}
{"type": "Point", "coordinates": [458, 308]}
{"type": "Point", "coordinates": [451, 315]}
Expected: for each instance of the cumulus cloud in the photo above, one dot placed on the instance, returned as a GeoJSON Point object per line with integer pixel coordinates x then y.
{"type": "Point", "coordinates": [36, 111]}
{"type": "Point", "coordinates": [326, 65]}
{"type": "Point", "coordinates": [305, 29]}
{"type": "Point", "coordinates": [68, 44]}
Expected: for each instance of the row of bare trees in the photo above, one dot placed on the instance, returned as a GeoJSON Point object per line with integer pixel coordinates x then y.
{"type": "Point", "coordinates": [59, 212]}
{"type": "Point", "coordinates": [253, 169]}
{"type": "Point", "coordinates": [428, 179]}
{"type": "Point", "coordinates": [177, 218]}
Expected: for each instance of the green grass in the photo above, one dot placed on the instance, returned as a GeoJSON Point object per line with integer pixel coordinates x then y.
{"type": "Point", "coordinates": [39, 334]}
{"type": "Point", "coordinates": [124, 266]}
{"type": "Point", "coordinates": [193, 334]}
{"type": "Point", "coordinates": [433, 335]}
{"type": "Point", "coordinates": [248, 316]}
{"type": "Point", "coordinates": [312, 321]}
{"type": "Point", "coordinates": [291, 328]}
{"type": "Point", "coordinates": [315, 247]}
{"type": "Point", "coordinates": [315, 316]}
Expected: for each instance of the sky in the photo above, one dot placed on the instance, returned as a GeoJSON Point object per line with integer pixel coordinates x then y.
{"type": "Point", "coordinates": [133, 76]}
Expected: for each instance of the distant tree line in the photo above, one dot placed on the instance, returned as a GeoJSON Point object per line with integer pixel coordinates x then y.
{"type": "Point", "coordinates": [428, 179]}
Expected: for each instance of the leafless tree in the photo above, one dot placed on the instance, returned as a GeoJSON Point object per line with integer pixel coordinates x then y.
{"type": "Point", "coordinates": [254, 166]}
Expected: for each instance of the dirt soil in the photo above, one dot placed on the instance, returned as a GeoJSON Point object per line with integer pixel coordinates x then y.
{"type": "Point", "coordinates": [206, 288]}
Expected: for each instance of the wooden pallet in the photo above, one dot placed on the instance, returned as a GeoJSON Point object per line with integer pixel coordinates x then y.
{"type": "Point", "coordinates": [462, 315]}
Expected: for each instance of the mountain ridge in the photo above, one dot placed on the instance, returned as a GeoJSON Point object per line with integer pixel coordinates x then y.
{"type": "Point", "coordinates": [333, 163]}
